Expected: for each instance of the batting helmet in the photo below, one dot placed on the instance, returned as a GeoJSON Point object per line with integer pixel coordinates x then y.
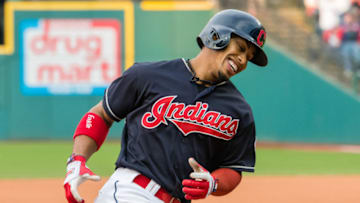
{"type": "Point", "coordinates": [217, 33]}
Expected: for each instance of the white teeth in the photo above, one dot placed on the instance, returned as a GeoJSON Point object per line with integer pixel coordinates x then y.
{"type": "Point", "coordinates": [233, 65]}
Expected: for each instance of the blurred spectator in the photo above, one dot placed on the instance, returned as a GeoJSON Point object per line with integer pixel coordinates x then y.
{"type": "Point", "coordinates": [356, 2]}
{"type": "Point", "coordinates": [329, 13]}
{"type": "Point", "coordinates": [338, 23]}
{"type": "Point", "coordinates": [349, 33]}
{"type": "Point", "coordinates": [2, 21]}
{"type": "Point", "coordinates": [332, 37]}
{"type": "Point", "coordinates": [311, 7]}
{"type": "Point", "coordinates": [255, 6]}
{"type": "Point", "coordinates": [312, 11]}
{"type": "Point", "coordinates": [356, 7]}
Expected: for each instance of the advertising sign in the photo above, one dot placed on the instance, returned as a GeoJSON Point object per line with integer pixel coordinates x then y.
{"type": "Point", "coordinates": [69, 56]}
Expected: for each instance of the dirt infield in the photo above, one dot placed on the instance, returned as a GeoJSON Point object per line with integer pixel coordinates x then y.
{"type": "Point", "coordinates": [253, 189]}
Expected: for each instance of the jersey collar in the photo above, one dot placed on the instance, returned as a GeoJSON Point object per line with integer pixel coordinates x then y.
{"type": "Point", "coordinates": [195, 78]}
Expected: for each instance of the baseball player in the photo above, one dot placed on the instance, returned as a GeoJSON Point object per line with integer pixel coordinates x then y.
{"type": "Point", "coordinates": [189, 133]}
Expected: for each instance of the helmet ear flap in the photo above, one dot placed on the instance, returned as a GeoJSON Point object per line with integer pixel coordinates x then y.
{"type": "Point", "coordinates": [215, 40]}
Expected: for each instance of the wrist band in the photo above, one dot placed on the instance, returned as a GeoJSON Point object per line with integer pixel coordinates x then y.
{"type": "Point", "coordinates": [92, 126]}
{"type": "Point", "coordinates": [216, 181]}
{"type": "Point", "coordinates": [75, 157]}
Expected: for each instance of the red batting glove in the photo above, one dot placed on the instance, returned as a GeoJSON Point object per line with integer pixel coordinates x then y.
{"type": "Point", "coordinates": [203, 185]}
{"type": "Point", "coordinates": [76, 173]}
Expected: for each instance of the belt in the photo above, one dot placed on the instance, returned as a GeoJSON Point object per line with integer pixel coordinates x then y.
{"type": "Point", "coordinates": [154, 188]}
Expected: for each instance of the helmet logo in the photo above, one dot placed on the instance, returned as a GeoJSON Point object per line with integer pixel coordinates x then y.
{"type": "Point", "coordinates": [261, 38]}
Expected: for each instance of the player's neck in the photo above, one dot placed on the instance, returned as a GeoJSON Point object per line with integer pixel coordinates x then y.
{"type": "Point", "coordinates": [201, 66]}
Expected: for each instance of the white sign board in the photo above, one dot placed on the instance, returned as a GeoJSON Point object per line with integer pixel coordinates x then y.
{"type": "Point", "coordinates": [69, 56]}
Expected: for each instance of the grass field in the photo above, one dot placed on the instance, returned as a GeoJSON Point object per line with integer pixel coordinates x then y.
{"type": "Point", "coordinates": [30, 159]}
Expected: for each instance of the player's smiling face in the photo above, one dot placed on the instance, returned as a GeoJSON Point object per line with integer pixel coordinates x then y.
{"type": "Point", "coordinates": [234, 58]}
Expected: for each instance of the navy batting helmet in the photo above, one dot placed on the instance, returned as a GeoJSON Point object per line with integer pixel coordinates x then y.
{"type": "Point", "coordinates": [217, 33]}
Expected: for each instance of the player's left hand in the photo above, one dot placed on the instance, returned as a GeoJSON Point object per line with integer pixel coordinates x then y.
{"type": "Point", "coordinates": [202, 184]}
{"type": "Point", "coordinates": [76, 173]}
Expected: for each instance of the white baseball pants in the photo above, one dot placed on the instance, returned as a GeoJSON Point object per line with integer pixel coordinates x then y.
{"type": "Point", "coordinates": [120, 188]}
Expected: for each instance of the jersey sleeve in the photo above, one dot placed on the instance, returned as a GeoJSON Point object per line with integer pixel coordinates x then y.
{"type": "Point", "coordinates": [121, 96]}
{"type": "Point", "coordinates": [240, 153]}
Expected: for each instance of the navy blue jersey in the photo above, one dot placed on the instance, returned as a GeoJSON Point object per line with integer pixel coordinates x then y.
{"type": "Point", "coordinates": [170, 118]}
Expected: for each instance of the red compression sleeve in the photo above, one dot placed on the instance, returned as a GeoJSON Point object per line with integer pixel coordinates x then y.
{"type": "Point", "coordinates": [93, 126]}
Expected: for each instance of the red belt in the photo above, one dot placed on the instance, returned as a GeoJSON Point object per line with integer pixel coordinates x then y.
{"type": "Point", "coordinates": [162, 194]}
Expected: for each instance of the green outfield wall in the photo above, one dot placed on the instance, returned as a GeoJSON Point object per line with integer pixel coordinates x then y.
{"type": "Point", "coordinates": [292, 103]}
{"type": "Point", "coordinates": [289, 102]}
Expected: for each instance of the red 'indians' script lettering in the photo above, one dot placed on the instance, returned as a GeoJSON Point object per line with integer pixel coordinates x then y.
{"type": "Point", "coordinates": [190, 119]}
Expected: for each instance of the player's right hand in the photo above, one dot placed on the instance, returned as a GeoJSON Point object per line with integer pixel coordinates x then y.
{"type": "Point", "coordinates": [76, 173]}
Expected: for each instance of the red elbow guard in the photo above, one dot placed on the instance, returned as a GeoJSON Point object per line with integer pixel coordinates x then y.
{"type": "Point", "coordinates": [92, 126]}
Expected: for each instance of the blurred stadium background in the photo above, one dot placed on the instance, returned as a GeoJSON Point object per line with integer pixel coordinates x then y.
{"type": "Point", "coordinates": [57, 57]}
